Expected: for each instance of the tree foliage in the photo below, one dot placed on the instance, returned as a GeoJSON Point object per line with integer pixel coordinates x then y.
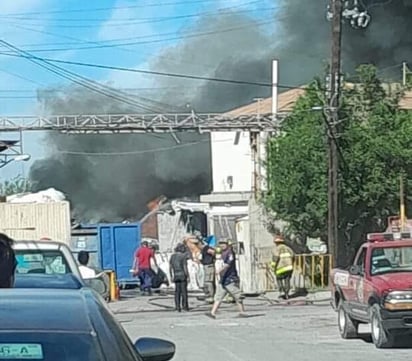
{"type": "Point", "coordinates": [374, 143]}
{"type": "Point", "coordinates": [15, 186]}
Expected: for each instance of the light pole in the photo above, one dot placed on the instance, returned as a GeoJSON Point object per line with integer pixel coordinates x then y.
{"type": "Point", "coordinates": [14, 158]}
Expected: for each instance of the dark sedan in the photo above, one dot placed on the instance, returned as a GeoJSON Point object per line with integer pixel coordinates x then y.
{"type": "Point", "coordinates": [68, 325]}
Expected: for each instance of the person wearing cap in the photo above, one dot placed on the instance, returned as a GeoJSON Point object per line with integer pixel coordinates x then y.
{"type": "Point", "coordinates": [282, 264]}
{"type": "Point", "coordinates": [228, 281]}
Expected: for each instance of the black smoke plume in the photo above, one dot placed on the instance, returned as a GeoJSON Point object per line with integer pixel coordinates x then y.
{"type": "Point", "coordinates": [119, 186]}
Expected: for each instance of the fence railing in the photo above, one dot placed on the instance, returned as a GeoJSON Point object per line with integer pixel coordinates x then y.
{"type": "Point", "coordinates": [311, 271]}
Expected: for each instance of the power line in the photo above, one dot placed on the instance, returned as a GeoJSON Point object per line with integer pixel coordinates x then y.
{"type": "Point", "coordinates": [151, 20]}
{"type": "Point", "coordinates": [21, 77]}
{"type": "Point", "coordinates": [156, 150]}
{"type": "Point", "coordinates": [188, 36]}
{"type": "Point", "coordinates": [151, 72]}
{"type": "Point", "coordinates": [111, 8]}
{"type": "Point", "coordinates": [75, 78]}
{"type": "Point", "coordinates": [135, 20]}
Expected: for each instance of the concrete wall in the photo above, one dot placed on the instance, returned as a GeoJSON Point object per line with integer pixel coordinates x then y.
{"type": "Point", "coordinates": [170, 231]}
{"type": "Point", "coordinates": [260, 247]}
{"type": "Point", "coordinates": [233, 160]}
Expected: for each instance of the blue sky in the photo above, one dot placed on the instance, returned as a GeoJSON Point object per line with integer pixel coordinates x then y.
{"type": "Point", "coordinates": [59, 29]}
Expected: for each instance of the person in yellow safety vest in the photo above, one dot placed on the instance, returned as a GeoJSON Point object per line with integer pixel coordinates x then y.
{"type": "Point", "coordinates": [282, 264]}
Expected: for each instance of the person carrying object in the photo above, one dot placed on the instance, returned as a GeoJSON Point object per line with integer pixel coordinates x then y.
{"type": "Point", "coordinates": [179, 274]}
{"type": "Point", "coordinates": [8, 262]}
{"type": "Point", "coordinates": [228, 281]}
{"type": "Point", "coordinates": [142, 267]}
{"type": "Point", "coordinates": [208, 260]}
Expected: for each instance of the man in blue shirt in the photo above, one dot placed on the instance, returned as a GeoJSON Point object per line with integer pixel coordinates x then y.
{"type": "Point", "coordinates": [228, 281]}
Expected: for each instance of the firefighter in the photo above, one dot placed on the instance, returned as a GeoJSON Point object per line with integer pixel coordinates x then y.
{"type": "Point", "coordinates": [282, 264]}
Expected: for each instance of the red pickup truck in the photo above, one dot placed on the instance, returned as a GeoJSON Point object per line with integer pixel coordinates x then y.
{"type": "Point", "coordinates": [377, 289]}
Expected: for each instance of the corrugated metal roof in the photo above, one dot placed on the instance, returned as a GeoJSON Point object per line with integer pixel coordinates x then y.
{"type": "Point", "coordinates": [287, 100]}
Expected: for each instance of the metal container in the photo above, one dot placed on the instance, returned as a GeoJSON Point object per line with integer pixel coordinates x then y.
{"type": "Point", "coordinates": [32, 221]}
{"type": "Point", "coordinates": [117, 245]}
{"type": "Point", "coordinates": [85, 239]}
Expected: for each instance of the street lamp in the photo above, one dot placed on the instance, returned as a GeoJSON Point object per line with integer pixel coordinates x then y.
{"type": "Point", "coordinates": [17, 158]}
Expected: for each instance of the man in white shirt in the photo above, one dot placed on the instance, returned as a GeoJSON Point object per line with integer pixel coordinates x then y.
{"type": "Point", "coordinates": [85, 271]}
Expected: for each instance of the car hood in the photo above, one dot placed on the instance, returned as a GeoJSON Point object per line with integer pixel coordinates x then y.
{"type": "Point", "coordinates": [394, 281]}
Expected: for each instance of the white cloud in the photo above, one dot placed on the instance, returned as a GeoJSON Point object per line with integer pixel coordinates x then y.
{"type": "Point", "coordinates": [113, 28]}
{"type": "Point", "coordinates": [120, 79]}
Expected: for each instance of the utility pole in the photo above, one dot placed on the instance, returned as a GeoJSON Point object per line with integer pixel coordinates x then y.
{"type": "Point", "coordinates": [332, 113]}
{"type": "Point", "coordinates": [404, 73]}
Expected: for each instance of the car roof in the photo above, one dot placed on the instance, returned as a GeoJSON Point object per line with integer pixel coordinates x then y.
{"type": "Point", "coordinates": [52, 281]}
{"type": "Point", "coordinates": [391, 244]}
{"type": "Point", "coordinates": [44, 310]}
{"type": "Point", "coordinates": [41, 245]}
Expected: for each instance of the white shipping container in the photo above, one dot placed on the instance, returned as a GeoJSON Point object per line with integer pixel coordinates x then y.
{"type": "Point", "coordinates": [32, 221]}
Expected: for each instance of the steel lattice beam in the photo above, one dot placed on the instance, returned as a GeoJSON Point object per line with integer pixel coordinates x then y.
{"type": "Point", "coordinates": [138, 123]}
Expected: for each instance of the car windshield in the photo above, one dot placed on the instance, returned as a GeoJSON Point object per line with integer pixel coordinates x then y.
{"type": "Point", "coordinates": [391, 259]}
{"type": "Point", "coordinates": [45, 346]}
{"type": "Point", "coordinates": [41, 261]}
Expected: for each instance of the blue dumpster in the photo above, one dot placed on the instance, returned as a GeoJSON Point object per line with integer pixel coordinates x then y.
{"type": "Point", "coordinates": [117, 245]}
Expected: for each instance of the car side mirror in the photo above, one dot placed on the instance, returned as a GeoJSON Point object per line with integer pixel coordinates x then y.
{"type": "Point", "coordinates": [154, 349]}
{"type": "Point", "coordinates": [355, 270]}
{"type": "Point", "coordinates": [96, 284]}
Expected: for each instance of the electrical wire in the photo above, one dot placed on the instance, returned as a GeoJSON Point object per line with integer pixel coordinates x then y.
{"type": "Point", "coordinates": [111, 8]}
{"type": "Point", "coordinates": [155, 41]}
{"type": "Point", "coordinates": [135, 20]}
{"type": "Point", "coordinates": [150, 72]}
{"type": "Point", "coordinates": [120, 89]}
{"type": "Point", "coordinates": [21, 77]}
{"type": "Point", "coordinates": [75, 78]}
{"type": "Point", "coordinates": [145, 21]}
{"type": "Point", "coordinates": [374, 5]}
{"type": "Point", "coordinates": [156, 150]}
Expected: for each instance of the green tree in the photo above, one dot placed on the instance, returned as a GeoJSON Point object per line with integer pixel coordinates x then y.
{"type": "Point", "coordinates": [374, 140]}
{"type": "Point", "coordinates": [15, 186]}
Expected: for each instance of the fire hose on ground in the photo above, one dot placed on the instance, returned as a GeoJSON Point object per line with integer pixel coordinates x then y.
{"type": "Point", "coordinates": [255, 302]}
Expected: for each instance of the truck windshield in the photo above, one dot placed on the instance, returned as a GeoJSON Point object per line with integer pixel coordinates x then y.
{"type": "Point", "coordinates": [41, 261]}
{"type": "Point", "coordinates": [391, 259]}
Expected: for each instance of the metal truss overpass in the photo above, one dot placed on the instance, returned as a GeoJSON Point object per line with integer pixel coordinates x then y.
{"type": "Point", "coordinates": [143, 123]}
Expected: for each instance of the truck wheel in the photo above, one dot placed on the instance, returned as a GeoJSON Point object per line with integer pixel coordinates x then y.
{"type": "Point", "coordinates": [380, 337]}
{"type": "Point", "coordinates": [348, 328]}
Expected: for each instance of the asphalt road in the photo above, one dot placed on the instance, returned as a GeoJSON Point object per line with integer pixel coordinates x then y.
{"type": "Point", "coordinates": [289, 333]}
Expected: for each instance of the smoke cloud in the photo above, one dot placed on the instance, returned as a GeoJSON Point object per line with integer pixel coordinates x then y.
{"type": "Point", "coordinates": [119, 186]}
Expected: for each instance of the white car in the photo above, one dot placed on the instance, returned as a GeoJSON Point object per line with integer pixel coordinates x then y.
{"type": "Point", "coordinates": [54, 260]}
{"type": "Point", "coordinates": [45, 257]}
